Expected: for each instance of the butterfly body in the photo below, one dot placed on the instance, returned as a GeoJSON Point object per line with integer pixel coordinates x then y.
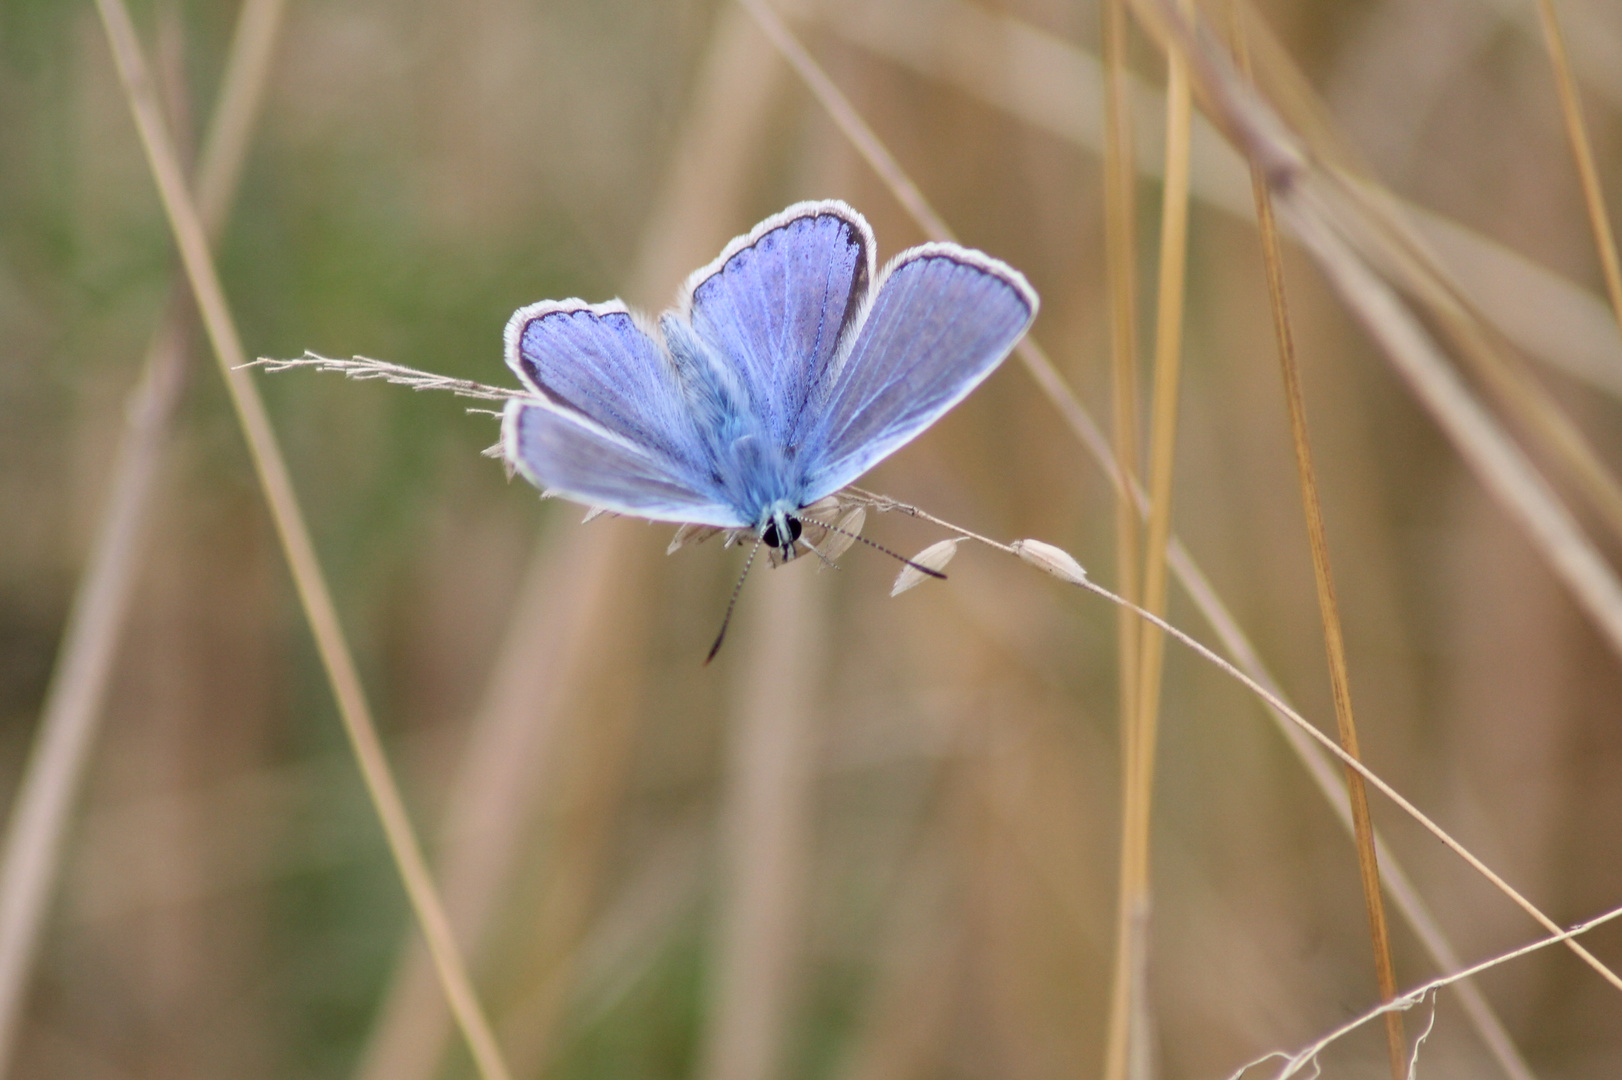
{"type": "Point", "coordinates": [786, 370]}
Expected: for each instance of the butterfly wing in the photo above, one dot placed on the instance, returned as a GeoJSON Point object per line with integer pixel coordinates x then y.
{"type": "Point", "coordinates": [776, 305]}
{"type": "Point", "coordinates": [611, 425]}
{"type": "Point", "coordinates": [942, 319]}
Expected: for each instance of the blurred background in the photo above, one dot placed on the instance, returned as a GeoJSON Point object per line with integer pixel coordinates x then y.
{"type": "Point", "coordinates": [877, 839]}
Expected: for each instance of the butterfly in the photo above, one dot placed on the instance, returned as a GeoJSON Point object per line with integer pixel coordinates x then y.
{"type": "Point", "coordinates": [786, 370]}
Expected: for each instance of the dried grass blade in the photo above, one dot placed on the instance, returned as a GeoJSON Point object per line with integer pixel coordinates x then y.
{"type": "Point", "coordinates": [1138, 795]}
{"type": "Point", "coordinates": [1582, 151]}
{"type": "Point", "coordinates": [1314, 758]}
{"type": "Point", "coordinates": [1328, 606]}
{"type": "Point", "coordinates": [1331, 219]}
{"type": "Point", "coordinates": [70, 718]}
{"type": "Point", "coordinates": [1543, 313]}
{"type": "Point", "coordinates": [766, 822]}
{"type": "Point", "coordinates": [1120, 243]}
{"type": "Point", "coordinates": [1501, 466]}
{"type": "Point", "coordinates": [1301, 723]}
{"type": "Point", "coordinates": [1374, 225]}
{"type": "Point", "coordinates": [311, 585]}
{"type": "Point", "coordinates": [557, 627]}
{"type": "Point", "coordinates": [1308, 1057]}
{"type": "Point", "coordinates": [1415, 912]}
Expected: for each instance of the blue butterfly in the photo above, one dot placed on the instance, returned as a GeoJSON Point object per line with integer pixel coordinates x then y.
{"type": "Point", "coordinates": [786, 370]}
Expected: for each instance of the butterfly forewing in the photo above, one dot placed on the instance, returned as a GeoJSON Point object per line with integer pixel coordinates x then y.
{"type": "Point", "coordinates": [775, 306]}
{"type": "Point", "coordinates": [613, 428]}
{"type": "Point", "coordinates": [595, 360]}
{"type": "Point", "coordinates": [943, 319]}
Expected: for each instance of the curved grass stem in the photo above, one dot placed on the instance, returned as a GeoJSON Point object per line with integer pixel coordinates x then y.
{"type": "Point", "coordinates": [1328, 607]}
{"type": "Point", "coordinates": [288, 518]}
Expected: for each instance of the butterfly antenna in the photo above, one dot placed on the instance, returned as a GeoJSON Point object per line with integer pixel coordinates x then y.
{"type": "Point", "coordinates": [881, 547]}
{"type": "Point", "coordinates": [732, 603]}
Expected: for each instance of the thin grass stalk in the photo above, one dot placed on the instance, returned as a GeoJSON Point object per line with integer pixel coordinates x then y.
{"type": "Point", "coordinates": [1120, 242]}
{"type": "Point", "coordinates": [1406, 256]}
{"type": "Point", "coordinates": [1537, 412]}
{"type": "Point", "coordinates": [1075, 576]}
{"type": "Point", "coordinates": [688, 221]}
{"type": "Point", "coordinates": [538, 672]}
{"type": "Point", "coordinates": [602, 739]}
{"type": "Point", "coordinates": [1056, 87]}
{"type": "Point", "coordinates": [766, 825]}
{"type": "Point", "coordinates": [1307, 1058]}
{"type": "Point", "coordinates": [1497, 461]}
{"type": "Point", "coordinates": [1166, 382]}
{"type": "Point", "coordinates": [288, 519]}
{"type": "Point", "coordinates": [1412, 906]}
{"type": "Point", "coordinates": [1328, 606]}
{"type": "Point", "coordinates": [1138, 794]}
{"type": "Point", "coordinates": [1353, 238]}
{"type": "Point", "coordinates": [71, 716]}
{"type": "Point", "coordinates": [1325, 219]}
{"type": "Point", "coordinates": [1571, 109]}
{"type": "Point", "coordinates": [1189, 575]}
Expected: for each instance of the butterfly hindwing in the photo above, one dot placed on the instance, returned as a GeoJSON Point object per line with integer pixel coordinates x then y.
{"type": "Point", "coordinates": [562, 453]}
{"type": "Point", "coordinates": [942, 319]}
{"type": "Point", "coordinates": [613, 427]}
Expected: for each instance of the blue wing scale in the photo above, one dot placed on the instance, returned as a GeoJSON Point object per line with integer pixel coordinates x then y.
{"type": "Point", "coordinates": [942, 319]}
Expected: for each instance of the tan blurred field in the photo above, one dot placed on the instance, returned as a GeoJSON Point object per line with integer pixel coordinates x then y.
{"type": "Point", "coordinates": [877, 839]}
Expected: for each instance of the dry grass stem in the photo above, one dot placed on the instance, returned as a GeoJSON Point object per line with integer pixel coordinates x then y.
{"type": "Point", "coordinates": [1332, 219]}
{"type": "Point", "coordinates": [1410, 904]}
{"type": "Point", "coordinates": [1082, 425]}
{"type": "Point", "coordinates": [288, 518]}
{"type": "Point", "coordinates": [1328, 607]}
{"type": "Point", "coordinates": [767, 821]}
{"type": "Point", "coordinates": [1056, 87]}
{"type": "Point", "coordinates": [1120, 252]}
{"type": "Point", "coordinates": [1278, 704]}
{"type": "Point", "coordinates": [363, 368]}
{"type": "Point", "coordinates": [556, 628]}
{"type": "Point", "coordinates": [1317, 214]}
{"type": "Point", "coordinates": [1582, 152]}
{"type": "Point", "coordinates": [1139, 739]}
{"type": "Point", "coordinates": [1407, 256]}
{"type": "Point", "coordinates": [1307, 1057]}
{"type": "Point", "coordinates": [72, 711]}
{"type": "Point", "coordinates": [1416, 913]}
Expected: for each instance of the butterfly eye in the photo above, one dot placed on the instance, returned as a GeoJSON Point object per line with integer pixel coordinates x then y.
{"type": "Point", "coordinates": [772, 540]}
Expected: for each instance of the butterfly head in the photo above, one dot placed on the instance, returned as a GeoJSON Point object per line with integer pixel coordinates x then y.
{"type": "Point", "coordinates": [781, 531]}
